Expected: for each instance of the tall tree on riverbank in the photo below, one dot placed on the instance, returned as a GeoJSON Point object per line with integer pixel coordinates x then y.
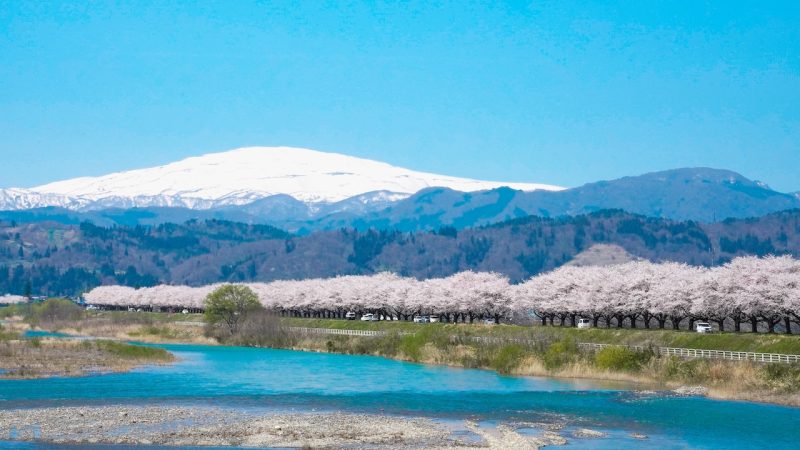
{"type": "Point", "coordinates": [229, 305]}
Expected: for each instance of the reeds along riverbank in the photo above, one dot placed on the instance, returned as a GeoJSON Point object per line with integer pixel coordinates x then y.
{"type": "Point", "coordinates": [64, 316]}
{"type": "Point", "coordinates": [742, 380]}
{"type": "Point", "coordinates": [39, 358]}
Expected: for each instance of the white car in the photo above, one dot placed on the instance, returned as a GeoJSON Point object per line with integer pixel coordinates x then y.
{"type": "Point", "coordinates": [584, 323]}
{"type": "Point", "coordinates": [433, 319]}
{"type": "Point", "coordinates": [369, 317]}
{"type": "Point", "coordinates": [350, 315]}
{"type": "Point", "coordinates": [421, 319]}
{"type": "Point", "coordinates": [490, 322]}
{"type": "Point", "coordinates": [703, 327]}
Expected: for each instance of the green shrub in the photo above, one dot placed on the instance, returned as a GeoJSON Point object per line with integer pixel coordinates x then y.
{"type": "Point", "coordinates": [620, 359]}
{"type": "Point", "coordinates": [783, 376]}
{"type": "Point", "coordinates": [411, 345]}
{"type": "Point", "coordinates": [53, 311]}
{"type": "Point", "coordinates": [129, 351]}
{"type": "Point", "coordinates": [560, 353]}
{"type": "Point", "coordinates": [507, 358]}
{"type": "Point", "coordinates": [681, 369]}
{"type": "Point", "coordinates": [6, 335]}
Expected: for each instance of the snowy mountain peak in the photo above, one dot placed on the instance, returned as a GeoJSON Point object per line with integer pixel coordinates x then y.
{"type": "Point", "coordinates": [243, 175]}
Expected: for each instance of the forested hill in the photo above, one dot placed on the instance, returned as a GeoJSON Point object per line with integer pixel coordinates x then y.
{"type": "Point", "coordinates": [52, 258]}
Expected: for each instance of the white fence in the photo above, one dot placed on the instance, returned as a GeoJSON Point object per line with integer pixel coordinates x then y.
{"type": "Point", "coordinates": [724, 354]}
{"type": "Point", "coordinates": [704, 354]}
{"type": "Point", "coordinates": [663, 351]}
{"type": "Point", "coordinates": [344, 332]}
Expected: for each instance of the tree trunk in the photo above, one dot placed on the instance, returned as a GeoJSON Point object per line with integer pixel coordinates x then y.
{"type": "Point", "coordinates": [788, 324]}
{"type": "Point", "coordinates": [737, 325]}
{"type": "Point", "coordinates": [753, 325]}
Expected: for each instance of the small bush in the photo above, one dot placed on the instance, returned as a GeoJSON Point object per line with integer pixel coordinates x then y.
{"type": "Point", "coordinates": [782, 376]}
{"type": "Point", "coordinates": [620, 359]}
{"type": "Point", "coordinates": [560, 353]}
{"type": "Point", "coordinates": [54, 311]}
{"type": "Point", "coordinates": [411, 346]}
{"type": "Point", "coordinates": [507, 358]}
{"type": "Point", "coordinates": [7, 335]}
{"type": "Point", "coordinates": [680, 369]}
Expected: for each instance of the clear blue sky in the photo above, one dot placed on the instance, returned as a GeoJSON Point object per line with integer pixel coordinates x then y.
{"type": "Point", "coordinates": [524, 91]}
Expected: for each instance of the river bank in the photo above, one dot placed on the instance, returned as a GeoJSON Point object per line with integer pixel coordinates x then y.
{"type": "Point", "coordinates": [549, 351]}
{"type": "Point", "coordinates": [206, 426]}
{"type": "Point", "coordinates": [559, 357]}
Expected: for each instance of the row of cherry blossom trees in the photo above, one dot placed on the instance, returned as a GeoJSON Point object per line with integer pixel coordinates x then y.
{"type": "Point", "coordinates": [12, 299]}
{"type": "Point", "coordinates": [761, 292]}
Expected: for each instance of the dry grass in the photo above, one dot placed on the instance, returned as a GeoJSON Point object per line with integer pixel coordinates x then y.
{"type": "Point", "coordinates": [37, 358]}
{"type": "Point", "coordinates": [150, 333]}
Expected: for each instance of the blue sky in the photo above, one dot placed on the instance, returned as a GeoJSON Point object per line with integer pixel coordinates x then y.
{"type": "Point", "coordinates": [547, 92]}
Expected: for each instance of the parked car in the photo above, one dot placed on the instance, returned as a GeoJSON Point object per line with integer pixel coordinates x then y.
{"type": "Point", "coordinates": [185, 311]}
{"type": "Point", "coordinates": [703, 327]}
{"type": "Point", "coordinates": [584, 323]}
{"type": "Point", "coordinates": [350, 315]}
{"type": "Point", "coordinates": [369, 317]}
{"type": "Point", "coordinates": [490, 322]}
{"type": "Point", "coordinates": [421, 319]}
{"type": "Point", "coordinates": [433, 318]}
{"type": "Point", "coordinates": [91, 308]}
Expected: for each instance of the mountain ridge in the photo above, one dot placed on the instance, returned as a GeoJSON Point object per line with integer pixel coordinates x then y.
{"type": "Point", "coordinates": [242, 176]}
{"type": "Point", "coordinates": [701, 194]}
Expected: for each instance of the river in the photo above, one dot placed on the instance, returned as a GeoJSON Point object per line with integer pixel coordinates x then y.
{"type": "Point", "coordinates": [283, 380]}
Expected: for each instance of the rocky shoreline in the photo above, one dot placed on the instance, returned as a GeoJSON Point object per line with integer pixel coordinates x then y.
{"type": "Point", "coordinates": [211, 426]}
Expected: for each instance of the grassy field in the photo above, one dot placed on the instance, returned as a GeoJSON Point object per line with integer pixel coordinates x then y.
{"type": "Point", "coordinates": [749, 342]}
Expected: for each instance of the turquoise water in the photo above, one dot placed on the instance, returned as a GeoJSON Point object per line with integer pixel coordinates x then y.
{"type": "Point", "coordinates": [299, 381]}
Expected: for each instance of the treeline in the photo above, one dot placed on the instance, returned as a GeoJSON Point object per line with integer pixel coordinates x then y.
{"type": "Point", "coordinates": [67, 260]}
{"type": "Point", "coordinates": [761, 292]}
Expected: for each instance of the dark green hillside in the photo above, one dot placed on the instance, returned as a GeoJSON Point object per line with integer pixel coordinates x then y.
{"type": "Point", "coordinates": [62, 259]}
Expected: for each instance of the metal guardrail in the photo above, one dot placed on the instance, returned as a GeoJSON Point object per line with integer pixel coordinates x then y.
{"type": "Point", "coordinates": [663, 351]}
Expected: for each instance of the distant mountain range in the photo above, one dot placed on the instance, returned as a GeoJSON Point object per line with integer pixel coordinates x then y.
{"type": "Point", "coordinates": [700, 194]}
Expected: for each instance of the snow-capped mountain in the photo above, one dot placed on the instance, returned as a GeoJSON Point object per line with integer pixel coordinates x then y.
{"type": "Point", "coordinates": [242, 176]}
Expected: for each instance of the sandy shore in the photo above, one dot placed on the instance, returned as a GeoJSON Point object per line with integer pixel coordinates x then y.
{"type": "Point", "coordinates": [223, 427]}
